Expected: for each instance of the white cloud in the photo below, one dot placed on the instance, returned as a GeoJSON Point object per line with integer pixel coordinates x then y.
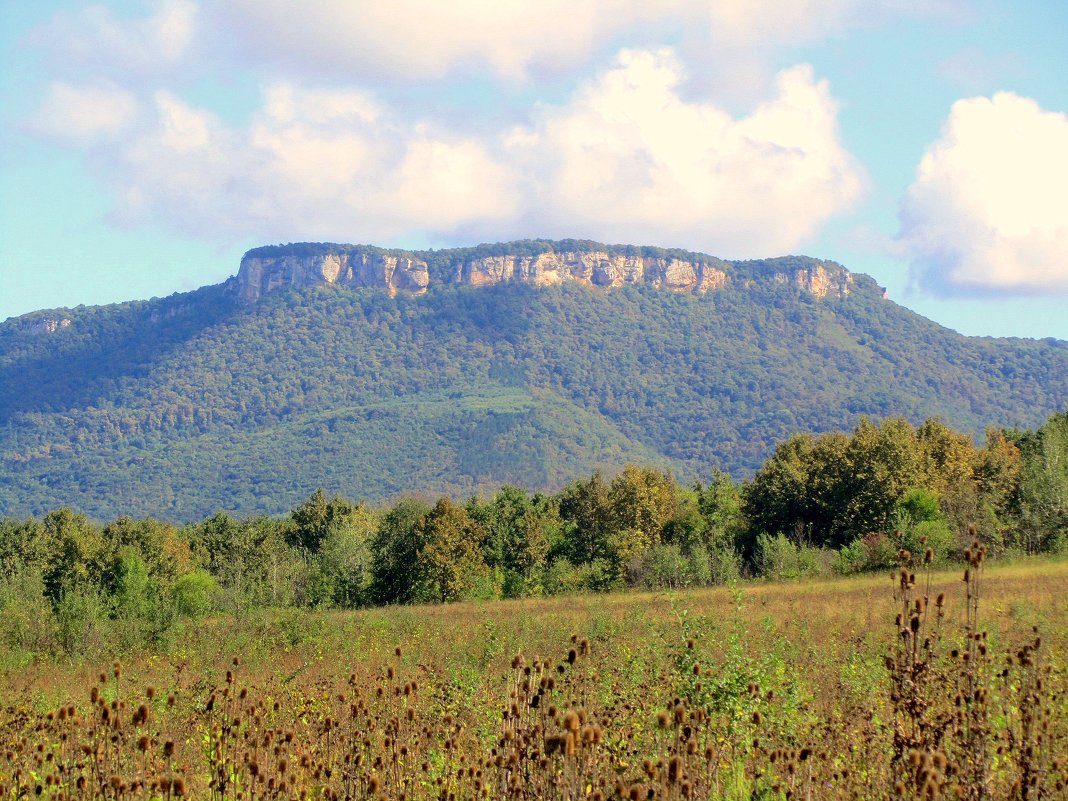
{"type": "Point", "coordinates": [343, 170]}
{"type": "Point", "coordinates": [80, 114]}
{"type": "Point", "coordinates": [988, 210]}
{"type": "Point", "coordinates": [513, 39]}
{"type": "Point", "coordinates": [414, 39]}
{"type": "Point", "coordinates": [95, 38]}
{"type": "Point", "coordinates": [762, 23]}
{"type": "Point", "coordinates": [628, 159]}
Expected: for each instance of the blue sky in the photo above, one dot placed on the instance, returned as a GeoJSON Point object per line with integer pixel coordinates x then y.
{"type": "Point", "coordinates": [145, 146]}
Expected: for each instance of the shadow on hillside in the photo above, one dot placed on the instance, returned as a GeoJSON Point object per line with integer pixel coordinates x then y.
{"type": "Point", "coordinates": [103, 349]}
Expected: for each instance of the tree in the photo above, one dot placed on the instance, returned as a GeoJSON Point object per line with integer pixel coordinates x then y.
{"type": "Point", "coordinates": [884, 464]}
{"type": "Point", "coordinates": [643, 500]}
{"type": "Point", "coordinates": [450, 556]}
{"type": "Point", "coordinates": [394, 552]}
{"type": "Point", "coordinates": [130, 584]}
{"type": "Point", "coordinates": [519, 532]}
{"type": "Point", "coordinates": [164, 552]}
{"type": "Point", "coordinates": [799, 492]}
{"type": "Point", "coordinates": [77, 553]}
{"type": "Point", "coordinates": [344, 556]}
{"type": "Point", "coordinates": [248, 557]}
{"type": "Point", "coordinates": [1044, 485]}
{"type": "Point", "coordinates": [25, 547]}
{"type": "Point", "coordinates": [314, 520]}
{"type": "Point", "coordinates": [586, 508]}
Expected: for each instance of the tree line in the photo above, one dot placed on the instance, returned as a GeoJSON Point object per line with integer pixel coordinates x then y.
{"type": "Point", "coordinates": [835, 502]}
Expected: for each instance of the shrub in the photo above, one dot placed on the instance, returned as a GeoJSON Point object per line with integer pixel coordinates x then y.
{"type": "Point", "coordinates": [196, 594]}
{"type": "Point", "coordinates": [661, 566]}
{"type": "Point", "coordinates": [874, 551]}
{"type": "Point", "coordinates": [81, 617]}
{"type": "Point", "coordinates": [778, 558]}
{"type": "Point", "coordinates": [26, 621]}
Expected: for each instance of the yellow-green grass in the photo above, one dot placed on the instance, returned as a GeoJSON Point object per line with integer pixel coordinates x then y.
{"type": "Point", "coordinates": [818, 648]}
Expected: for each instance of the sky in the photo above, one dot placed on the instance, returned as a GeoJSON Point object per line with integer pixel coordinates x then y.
{"type": "Point", "coordinates": [144, 146]}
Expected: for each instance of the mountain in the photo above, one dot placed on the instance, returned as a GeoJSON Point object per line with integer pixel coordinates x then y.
{"type": "Point", "coordinates": [374, 372]}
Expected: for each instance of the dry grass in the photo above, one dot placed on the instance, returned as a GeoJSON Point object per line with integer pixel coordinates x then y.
{"type": "Point", "coordinates": [772, 691]}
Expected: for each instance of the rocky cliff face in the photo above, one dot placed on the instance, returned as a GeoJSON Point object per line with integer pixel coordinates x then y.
{"type": "Point", "coordinates": [820, 281]}
{"type": "Point", "coordinates": [43, 325]}
{"type": "Point", "coordinates": [262, 274]}
{"type": "Point", "coordinates": [593, 268]}
{"type": "Point", "coordinates": [266, 269]}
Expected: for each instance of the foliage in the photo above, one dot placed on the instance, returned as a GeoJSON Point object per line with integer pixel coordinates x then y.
{"type": "Point", "coordinates": [179, 407]}
{"type": "Point", "coordinates": [847, 503]}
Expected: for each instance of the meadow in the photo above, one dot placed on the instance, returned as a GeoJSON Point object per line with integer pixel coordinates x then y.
{"type": "Point", "coordinates": [916, 685]}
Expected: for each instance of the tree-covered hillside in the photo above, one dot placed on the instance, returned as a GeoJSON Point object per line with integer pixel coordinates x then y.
{"type": "Point", "coordinates": [182, 406]}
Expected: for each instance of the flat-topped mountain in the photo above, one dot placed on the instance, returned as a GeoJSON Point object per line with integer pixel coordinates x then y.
{"type": "Point", "coordinates": [537, 262]}
{"type": "Point", "coordinates": [374, 372]}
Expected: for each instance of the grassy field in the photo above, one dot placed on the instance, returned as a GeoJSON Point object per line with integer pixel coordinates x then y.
{"type": "Point", "coordinates": [860, 688]}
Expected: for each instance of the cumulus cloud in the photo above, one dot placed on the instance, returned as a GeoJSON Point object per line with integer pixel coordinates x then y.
{"type": "Point", "coordinates": [626, 158]}
{"type": "Point", "coordinates": [314, 164]}
{"type": "Point", "coordinates": [988, 210]}
{"type": "Point", "coordinates": [81, 114]}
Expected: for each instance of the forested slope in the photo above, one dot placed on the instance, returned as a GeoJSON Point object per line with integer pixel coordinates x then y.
{"type": "Point", "coordinates": [181, 406]}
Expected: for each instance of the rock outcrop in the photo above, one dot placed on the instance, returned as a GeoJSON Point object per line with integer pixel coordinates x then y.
{"type": "Point", "coordinates": [593, 268]}
{"type": "Point", "coordinates": [820, 281]}
{"type": "Point", "coordinates": [262, 274]}
{"type": "Point", "coordinates": [43, 325]}
{"type": "Point", "coordinates": [266, 269]}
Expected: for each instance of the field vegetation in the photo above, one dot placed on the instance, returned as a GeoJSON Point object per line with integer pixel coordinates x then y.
{"type": "Point", "coordinates": [916, 685]}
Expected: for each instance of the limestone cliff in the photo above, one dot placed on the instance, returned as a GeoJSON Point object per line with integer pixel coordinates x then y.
{"type": "Point", "coordinates": [43, 325]}
{"type": "Point", "coordinates": [262, 274]}
{"type": "Point", "coordinates": [593, 268]}
{"type": "Point", "coordinates": [819, 280]}
{"type": "Point", "coordinates": [539, 263]}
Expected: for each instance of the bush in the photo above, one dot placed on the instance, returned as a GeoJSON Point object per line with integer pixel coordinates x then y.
{"type": "Point", "coordinates": [933, 534]}
{"type": "Point", "coordinates": [196, 594]}
{"type": "Point", "coordinates": [26, 622]}
{"type": "Point", "coordinates": [563, 577]}
{"type": "Point", "coordinates": [661, 566]}
{"type": "Point", "coordinates": [725, 565]}
{"type": "Point", "coordinates": [82, 615]}
{"type": "Point", "coordinates": [778, 558]}
{"type": "Point", "coordinates": [874, 551]}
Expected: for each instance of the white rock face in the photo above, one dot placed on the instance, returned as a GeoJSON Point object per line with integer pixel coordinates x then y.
{"type": "Point", "coordinates": [820, 281]}
{"type": "Point", "coordinates": [260, 274]}
{"type": "Point", "coordinates": [44, 326]}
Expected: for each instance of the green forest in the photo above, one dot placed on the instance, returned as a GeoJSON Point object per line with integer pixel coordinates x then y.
{"type": "Point", "coordinates": [831, 503]}
{"type": "Point", "coordinates": [180, 407]}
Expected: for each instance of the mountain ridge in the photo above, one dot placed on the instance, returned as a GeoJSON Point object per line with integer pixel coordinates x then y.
{"type": "Point", "coordinates": [181, 406]}
{"type": "Point", "coordinates": [538, 262]}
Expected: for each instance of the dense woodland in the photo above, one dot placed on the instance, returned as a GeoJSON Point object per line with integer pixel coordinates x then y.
{"type": "Point", "coordinates": [833, 502]}
{"type": "Point", "coordinates": [178, 407]}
